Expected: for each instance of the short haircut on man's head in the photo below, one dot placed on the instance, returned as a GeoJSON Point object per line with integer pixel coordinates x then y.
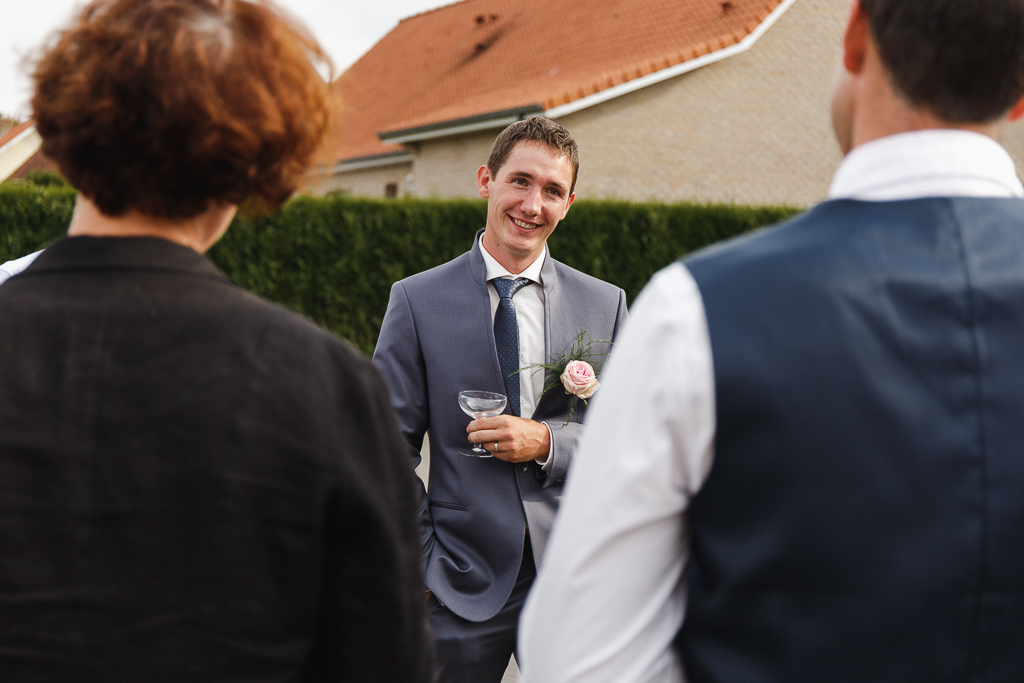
{"type": "Point", "coordinates": [168, 106]}
{"type": "Point", "coordinates": [534, 129]}
{"type": "Point", "coordinates": [962, 60]}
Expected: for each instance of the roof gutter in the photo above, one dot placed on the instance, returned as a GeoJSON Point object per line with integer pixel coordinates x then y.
{"type": "Point", "coordinates": [498, 119]}
{"type": "Point", "coordinates": [361, 163]}
{"type": "Point", "coordinates": [672, 71]}
{"type": "Point", "coordinates": [16, 152]}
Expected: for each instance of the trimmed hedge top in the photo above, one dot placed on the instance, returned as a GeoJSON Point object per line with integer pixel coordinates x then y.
{"type": "Point", "coordinates": [334, 259]}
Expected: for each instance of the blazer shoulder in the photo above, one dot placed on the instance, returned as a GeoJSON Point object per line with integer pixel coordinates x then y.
{"type": "Point", "coordinates": [585, 284]}
{"type": "Point", "coordinates": [810, 234]}
{"type": "Point", "coordinates": [296, 336]}
{"type": "Point", "coordinates": [815, 248]}
{"type": "Point", "coordinates": [457, 267]}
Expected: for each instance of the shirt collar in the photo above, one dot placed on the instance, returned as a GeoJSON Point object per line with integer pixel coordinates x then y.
{"type": "Point", "coordinates": [929, 163]}
{"type": "Point", "coordinates": [495, 269]}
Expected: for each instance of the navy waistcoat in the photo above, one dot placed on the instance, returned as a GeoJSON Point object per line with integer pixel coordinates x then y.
{"type": "Point", "coordinates": [863, 519]}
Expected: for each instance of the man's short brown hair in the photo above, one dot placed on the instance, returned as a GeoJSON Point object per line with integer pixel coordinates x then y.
{"type": "Point", "coordinates": [534, 129]}
{"type": "Point", "coordinates": [962, 60]}
{"type": "Point", "coordinates": [167, 106]}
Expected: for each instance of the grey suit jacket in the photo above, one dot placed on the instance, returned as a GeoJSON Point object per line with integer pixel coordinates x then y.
{"type": "Point", "coordinates": [437, 339]}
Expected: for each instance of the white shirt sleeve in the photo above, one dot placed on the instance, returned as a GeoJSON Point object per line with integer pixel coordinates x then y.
{"type": "Point", "coordinates": [611, 594]}
{"type": "Point", "coordinates": [546, 462]}
{"type": "Point", "coordinates": [12, 268]}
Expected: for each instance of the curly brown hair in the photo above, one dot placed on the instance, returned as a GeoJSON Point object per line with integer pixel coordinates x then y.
{"type": "Point", "coordinates": [167, 106]}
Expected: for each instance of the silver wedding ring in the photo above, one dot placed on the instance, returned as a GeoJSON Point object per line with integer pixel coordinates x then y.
{"type": "Point", "coordinates": [495, 446]}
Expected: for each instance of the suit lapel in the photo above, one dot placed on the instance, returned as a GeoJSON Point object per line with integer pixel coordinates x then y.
{"type": "Point", "coordinates": [558, 335]}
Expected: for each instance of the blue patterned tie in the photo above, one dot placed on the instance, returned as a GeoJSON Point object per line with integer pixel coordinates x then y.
{"type": "Point", "coordinates": [506, 337]}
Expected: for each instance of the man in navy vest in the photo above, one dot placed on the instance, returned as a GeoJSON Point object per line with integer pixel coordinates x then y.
{"type": "Point", "coordinates": [808, 462]}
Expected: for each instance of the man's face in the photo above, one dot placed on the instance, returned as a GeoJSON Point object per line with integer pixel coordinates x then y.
{"type": "Point", "coordinates": [525, 200]}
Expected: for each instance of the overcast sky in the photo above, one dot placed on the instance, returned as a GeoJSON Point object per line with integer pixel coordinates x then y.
{"type": "Point", "coordinates": [346, 29]}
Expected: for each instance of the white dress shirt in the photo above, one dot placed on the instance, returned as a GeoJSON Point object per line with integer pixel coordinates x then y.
{"type": "Point", "coordinates": [611, 595]}
{"type": "Point", "coordinates": [12, 268]}
{"type": "Point", "coordinates": [529, 305]}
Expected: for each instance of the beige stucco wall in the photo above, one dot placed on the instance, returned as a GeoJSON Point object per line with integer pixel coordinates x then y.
{"type": "Point", "coordinates": [447, 167]}
{"type": "Point", "coordinates": [1013, 141]}
{"type": "Point", "coordinates": [369, 182]}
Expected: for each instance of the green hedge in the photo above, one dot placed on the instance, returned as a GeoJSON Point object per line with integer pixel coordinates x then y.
{"type": "Point", "coordinates": [333, 259]}
{"type": "Point", "coordinates": [32, 216]}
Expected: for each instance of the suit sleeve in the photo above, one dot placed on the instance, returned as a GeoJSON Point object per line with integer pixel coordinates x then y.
{"type": "Point", "coordinates": [370, 622]}
{"type": "Point", "coordinates": [565, 437]}
{"type": "Point", "coordinates": [399, 358]}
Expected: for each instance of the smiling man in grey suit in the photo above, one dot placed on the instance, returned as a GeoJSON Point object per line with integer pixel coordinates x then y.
{"type": "Point", "coordinates": [485, 520]}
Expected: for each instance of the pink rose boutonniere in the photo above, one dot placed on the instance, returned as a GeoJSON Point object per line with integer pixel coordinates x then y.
{"type": "Point", "coordinates": [579, 379]}
{"type": "Point", "coordinates": [576, 370]}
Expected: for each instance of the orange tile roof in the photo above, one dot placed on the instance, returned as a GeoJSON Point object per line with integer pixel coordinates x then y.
{"type": "Point", "coordinates": [481, 56]}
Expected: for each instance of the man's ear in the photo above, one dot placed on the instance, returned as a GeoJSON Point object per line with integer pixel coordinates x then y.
{"type": "Point", "coordinates": [1017, 112]}
{"type": "Point", "coordinates": [856, 39]}
{"type": "Point", "coordinates": [572, 198]}
{"type": "Point", "coordinates": [483, 181]}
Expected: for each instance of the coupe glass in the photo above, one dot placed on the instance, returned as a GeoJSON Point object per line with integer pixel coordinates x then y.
{"type": "Point", "coordinates": [480, 405]}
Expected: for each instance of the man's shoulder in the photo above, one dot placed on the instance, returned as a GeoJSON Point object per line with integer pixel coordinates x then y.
{"type": "Point", "coordinates": [300, 337]}
{"type": "Point", "coordinates": [268, 334]}
{"type": "Point", "coordinates": [438, 288]}
{"type": "Point", "coordinates": [811, 234]}
{"type": "Point", "coordinates": [840, 236]}
{"type": "Point", "coordinates": [582, 284]}
{"type": "Point", "coordinates": [305, 374]}
{"type": "Point", "coordinates": [458, 267]}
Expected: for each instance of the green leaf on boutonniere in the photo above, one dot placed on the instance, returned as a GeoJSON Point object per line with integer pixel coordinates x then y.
{"type": "Point", "coordinates": [581, 349]}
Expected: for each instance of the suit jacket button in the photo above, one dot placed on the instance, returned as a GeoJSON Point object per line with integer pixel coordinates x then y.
{"type": "Point", "coordinates": [525, 467]}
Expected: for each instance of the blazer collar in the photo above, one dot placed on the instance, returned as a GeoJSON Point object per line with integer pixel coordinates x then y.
{"type": "Point", "coordinates": [122, 253]}
{"type": "Point", "coordinates": [548, 273]}
{"type": "Point", "coordinates": [476, 260]}
{"type": "Point", "coordinates": [549, 276]}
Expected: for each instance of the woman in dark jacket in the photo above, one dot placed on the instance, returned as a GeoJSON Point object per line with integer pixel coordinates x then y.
{"type": "Point", "coordinates": [195, 485]}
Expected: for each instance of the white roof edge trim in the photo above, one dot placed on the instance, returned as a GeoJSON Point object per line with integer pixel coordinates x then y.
{"type": "Point", "coordinates": [17, 151]}
{"type": "Point", "coordinates": [18, 138]}
{"type": "Point", "coordinates": [500, 122]}
{"type": "Point", "coordinates": [672, 71]}
{"type": "Point", "coordinates": [359, 164]}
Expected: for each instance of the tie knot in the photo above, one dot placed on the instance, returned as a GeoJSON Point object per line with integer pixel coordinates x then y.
{"type": "Point", "coordinates": [507, 288]}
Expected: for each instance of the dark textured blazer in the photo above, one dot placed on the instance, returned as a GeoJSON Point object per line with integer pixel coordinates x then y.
{"type": "Point", "coordinates": [864, 516]}
{"type": "Point", "coordinates": [195, 485]}
{"type": "Point", "coordinates": [437, 339]}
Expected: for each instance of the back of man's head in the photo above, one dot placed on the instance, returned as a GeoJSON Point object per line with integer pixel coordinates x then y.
{"type": "Point", "coordinates": [962, 60]}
